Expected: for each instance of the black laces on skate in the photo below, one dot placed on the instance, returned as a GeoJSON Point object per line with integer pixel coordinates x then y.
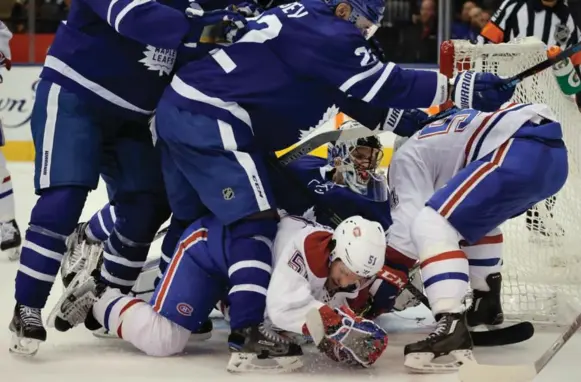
{"type": "Point", "coordinates": [273, 336]}
{"type": "Point", "coordinates": [30, 316]}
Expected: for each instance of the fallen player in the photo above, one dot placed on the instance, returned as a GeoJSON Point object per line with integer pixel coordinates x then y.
{"type": "Point", "coordinates": [452, 185]}
{"type": "Point", "coordinates": [202, 273]}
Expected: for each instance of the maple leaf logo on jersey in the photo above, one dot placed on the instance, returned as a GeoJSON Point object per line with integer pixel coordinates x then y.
{"type": "Point", "coordinates": [331, 112]}
{"type": "Point", "coordinates": [159, 60]}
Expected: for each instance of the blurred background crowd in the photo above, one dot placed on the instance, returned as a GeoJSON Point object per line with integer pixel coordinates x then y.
{"type": "Point", "coordinates": [410, 32]}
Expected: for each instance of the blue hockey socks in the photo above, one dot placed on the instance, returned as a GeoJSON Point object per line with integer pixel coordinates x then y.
{"type": "Point", "coordinates": [139, 217]}
{"type": "Point", "coordinates": [249, 253]}
{"type": "Point", "coordinates": [101, 224]}
{"type": "Point", "coordinates": [53, 218]}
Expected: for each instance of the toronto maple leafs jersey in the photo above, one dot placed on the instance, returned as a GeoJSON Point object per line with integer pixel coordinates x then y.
{"type": "Point", "coordinates": [304, 187]}
{"type": "Point", "coordinates": [294, 63]}
{"type": "Point", "coordinates": [118, 53]}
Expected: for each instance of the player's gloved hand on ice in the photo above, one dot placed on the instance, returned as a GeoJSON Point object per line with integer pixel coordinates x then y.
{"type": "Point", "coordinates": [480, 91]}
{"type": "Point", "coordinates": [404, 122]}
{"type": "Point", "coordinates": [344, 337]}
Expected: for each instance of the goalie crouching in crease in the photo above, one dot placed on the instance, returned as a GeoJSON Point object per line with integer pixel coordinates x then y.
{"type": "Point", "coordinates": [316, 271]}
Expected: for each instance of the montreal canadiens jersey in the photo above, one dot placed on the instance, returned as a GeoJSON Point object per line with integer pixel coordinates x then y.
{"type": "Point", "coordinates": [304, 188]}
{"type": "Point", "coordinates": [291, 71]}
{"type": "Point", "coordinates": [448, 145]}
{"type": "Point", "coordinates": [301, 268]}
{"type": "Point", "coordinates": [118, 53]}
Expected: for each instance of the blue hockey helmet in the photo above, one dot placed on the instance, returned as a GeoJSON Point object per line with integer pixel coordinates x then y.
{"type": "Point", "coordinates": [356, 165]}
{"type": "Point", "coordinates": [365, 14]}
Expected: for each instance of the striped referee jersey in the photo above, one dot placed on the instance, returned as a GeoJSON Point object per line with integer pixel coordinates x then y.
{"type": "Point", "coordinates": [524, 18]}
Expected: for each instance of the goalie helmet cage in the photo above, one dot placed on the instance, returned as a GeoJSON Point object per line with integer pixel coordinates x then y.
{"type": "Point", "coordinates": [541, 274]}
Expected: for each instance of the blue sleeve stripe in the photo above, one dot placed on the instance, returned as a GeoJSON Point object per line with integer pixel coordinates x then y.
{"type": "Point", "coordinates": [484, 262]}
{"type": "Point", "coordinates": [361, 76]}
{"type": "Point", "coordinates": [379, 83]}
{"type": "Point", "coordinates": [108, 311]}
{"type": "Point", "coordinates": [446, 276]}
{"type": "Point", "coordinates": [118, 16]}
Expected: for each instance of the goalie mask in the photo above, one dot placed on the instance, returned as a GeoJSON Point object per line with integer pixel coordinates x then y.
{"type": "Point", "coordinates": [356, 164]}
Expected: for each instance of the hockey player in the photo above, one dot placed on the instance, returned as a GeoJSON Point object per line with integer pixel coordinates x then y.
{"type": "Point", "coordinates": [204, 271]}
{"type": "Point", "coordinates": [223, 114]}
{"type": "Point", "coordinates": [453, 184]}
{"type": "Point", "coordinates": [92, 117]}
{"type": "Point", "coordinates": [10, 238]}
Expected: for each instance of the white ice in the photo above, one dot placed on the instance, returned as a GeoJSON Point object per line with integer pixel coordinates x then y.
{"type": "Point", "coordinates": [78, 356]}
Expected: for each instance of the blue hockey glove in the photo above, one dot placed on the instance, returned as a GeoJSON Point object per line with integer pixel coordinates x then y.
{"type": "Point", "coordinates": [213, 26]}
{"type": "Point", "coordinates": [404, 122]}
{"type": "Point", "coordinates": [480, 91]}
{"type": "Point", "coordinates": [246, 9]}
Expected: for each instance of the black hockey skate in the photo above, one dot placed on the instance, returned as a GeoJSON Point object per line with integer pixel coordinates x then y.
{"type": "Point", "coordinates": [27, 330]}
{"type": "Point", "coordinates": [447, 348]}
{"type": "Point", "coordinates": [10, 239]}
{"type": "Point", "coordinates": [485, 317]}
{"type": "Point", "coordinates": [258, 348]}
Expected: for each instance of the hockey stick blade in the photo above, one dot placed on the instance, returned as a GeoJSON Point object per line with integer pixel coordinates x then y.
{"type": "Point", "coordinates": [515, 80]}
{"type": "Point", "coordinates": [303, 148]}
{"type": "Point", "coordinates": [474, 372]}
{"type": "Point", "coordinates": [504, 336]}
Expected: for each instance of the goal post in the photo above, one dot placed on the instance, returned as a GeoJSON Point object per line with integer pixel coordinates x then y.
{"type": "Point", "coordinates": [541, 272]}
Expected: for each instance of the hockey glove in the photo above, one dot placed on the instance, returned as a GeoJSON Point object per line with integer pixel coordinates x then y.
{"type": "Point", "coordinates": [480, 91]}
{"type": "Point", "coordinates": [5, 36]}
{"type": "Point", "coordinates": [404, 123]}
{"type": "Point", "coordinates": [246, 9]}
{"type": "Point", "coordinates": [345, 337]}
{"type": "Point", "coordinates": [213, 26]}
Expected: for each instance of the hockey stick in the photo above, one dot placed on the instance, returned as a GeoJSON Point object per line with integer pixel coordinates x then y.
{"type": "Point", "coordinates": [473, 372]}
{"type": "Point", "coordinates": [509, 335]}
{"type": "Point", "coordinates": [515, 80]}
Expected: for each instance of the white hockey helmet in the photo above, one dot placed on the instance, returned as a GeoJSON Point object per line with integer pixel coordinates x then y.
{"type": "Point", "coordinates": [360, 244]}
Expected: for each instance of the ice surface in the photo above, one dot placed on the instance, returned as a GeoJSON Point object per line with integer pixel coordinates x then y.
{"type": "Point", "coordinates": [77, 356]}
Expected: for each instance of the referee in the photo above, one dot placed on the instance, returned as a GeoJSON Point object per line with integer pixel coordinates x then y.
{"type": "Point", "coordinates": [551, 22]}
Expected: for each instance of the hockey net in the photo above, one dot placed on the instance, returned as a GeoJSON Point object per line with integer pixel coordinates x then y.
{"type": "Point", "coordinates": [541, 273]}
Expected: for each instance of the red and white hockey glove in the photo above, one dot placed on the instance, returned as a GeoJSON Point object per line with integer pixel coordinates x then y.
{"type": "Point", "coordinates": [344, 337]}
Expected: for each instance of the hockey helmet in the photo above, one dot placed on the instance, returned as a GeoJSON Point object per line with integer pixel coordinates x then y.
{"type": "Point", "coordinates": [360, 244]}
{"type": "Point", "coordinates": [359, 162]}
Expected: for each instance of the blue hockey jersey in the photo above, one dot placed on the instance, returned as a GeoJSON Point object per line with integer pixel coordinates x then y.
{"type": "Point", "coordinates": [292, 68]}
{"type": "Point", "coordinates": [306, 184]}
{"type": "Point", "coordinates": [118, 53]}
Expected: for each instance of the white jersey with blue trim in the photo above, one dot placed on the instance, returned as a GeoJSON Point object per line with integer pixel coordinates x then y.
{"type": "Point", "coordinates": [291, 69]}
{"type": "Point", "coordinates": [448, 145]}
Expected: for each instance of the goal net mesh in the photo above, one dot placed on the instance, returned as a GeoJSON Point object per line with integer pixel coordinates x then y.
{"type": "Point", "coordinates": [542, 252]}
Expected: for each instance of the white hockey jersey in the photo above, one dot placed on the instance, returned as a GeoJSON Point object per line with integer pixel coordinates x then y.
{"type": "Point", "coordinates": [301, 267]}
{"type": "Point", "coordinates": [432, 156]}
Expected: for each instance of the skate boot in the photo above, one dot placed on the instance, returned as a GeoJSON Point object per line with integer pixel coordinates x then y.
{"type": "Point", "coordinates": [486, 307]}
{"type": "Point", "coordinates": [10, 239]}
{"type": "Point", "coordinates": [444, 350]}
{"type": "Point", "coordinates": [258, 348]}
{"type": "Point", "coordinates": [81, 253]}
{"type": "Point", "coordinates": [27, 330]}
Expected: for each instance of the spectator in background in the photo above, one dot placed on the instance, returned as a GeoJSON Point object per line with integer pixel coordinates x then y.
{"type": "Point", "coordinates": [420, 40]}
{"type": "Point", "coordinates": [461, 28]}
{"type": "Point", "coordinates": [50, 13]}
{"type": "Point", "coordinates": [18, 16]}
{"type": "Point", "coordinates": [478, 19]}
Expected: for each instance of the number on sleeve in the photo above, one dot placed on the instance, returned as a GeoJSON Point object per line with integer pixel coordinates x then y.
{"type": "Point", "coordinates": [455, 123]}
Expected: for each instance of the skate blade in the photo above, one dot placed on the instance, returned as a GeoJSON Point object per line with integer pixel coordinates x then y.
{"type": "Point", "coordinates": [425, 363]}
{"type": "Point", "coordinates": [79, 279]}
{"type": "Point", "coordinates": [13, 254]}
{"type": "Point", "coordinates": [249, 362]}
{"type": "Point", "coordinates": [26, 347]}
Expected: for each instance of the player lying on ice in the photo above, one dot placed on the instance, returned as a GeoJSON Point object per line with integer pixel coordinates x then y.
{"type": "Point", "coordinates": [453, 184]}
{"type": "Point", "coordinates": [315, 271]}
